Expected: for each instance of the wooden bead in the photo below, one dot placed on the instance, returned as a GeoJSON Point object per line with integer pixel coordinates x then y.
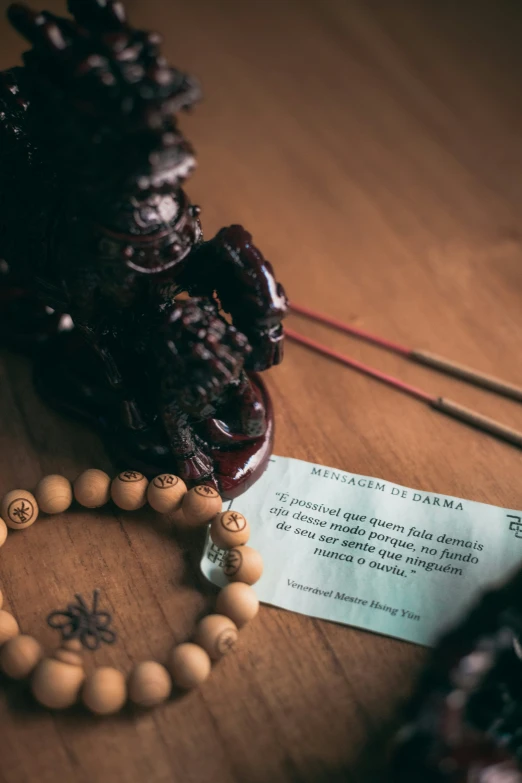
{"type": "Point", "coordinates": [200, 504]}
{"type": "Point", "coordinates": [92, 488]}
{"type": "Point", "coordinates": [104, 691]}
{"type": "Point", "coordinates": [1, 599]}
{"type": "Point", "coordinates": [229, 529]}
{"type": "Point", "coordinates": [129, 490]}
{"type": "Point", "coordinates": [149, 684]}
{"type": "Point", "coordinates": [8, 627]}
{"type": "Point", "coordinates": [56, 684]}
{"type": "Point", "coordinates": [19, 509]}
{"type": "Point", "coordinates": [178, 518]}
{"type": "Point", "coordinates": [19, 656]}
{"type": "Point", "coordinates": [3, 533]}
{"type": "Point", "coordinates": [239, 602]}
{"type": "Point", "coordinates": [70, 652]}
{"type": "Point", "coordinates": [165, 493]}
{"type": "Point", "coordinates": [217, 635]}
{"type": "Point", "coordinates": [189, 665]}
{"type": "Point", "coordinates": [243, 564]}
{"type": "Point", "coordinates": [54, 494]}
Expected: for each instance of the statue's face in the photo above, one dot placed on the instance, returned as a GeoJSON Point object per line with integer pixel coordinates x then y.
{"type": "Point", "coordinates": [102, 152]}
{"type": "Point", "coordinates": [109, 160]}
{"type": "Point", "coordinates": [148, 159]}
{"type": "Point", "coordinates": [103, 100]}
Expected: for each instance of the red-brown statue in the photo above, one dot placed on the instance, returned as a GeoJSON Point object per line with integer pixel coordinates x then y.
{"type": "Point", "coordinates": [97, 234]}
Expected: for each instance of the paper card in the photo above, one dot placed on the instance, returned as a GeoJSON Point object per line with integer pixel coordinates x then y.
{"type": "Point", "coordinates": [368, 553]}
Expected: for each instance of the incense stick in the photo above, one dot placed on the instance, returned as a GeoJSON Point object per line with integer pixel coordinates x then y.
{"type": "Point", "coordinates": [355, 331]}
{"type": "Point", "coordinates": [413, 391]}
{"type": "Point", "coordinates": [442, 404]}
{"type": "Point", "coordinates": [428, 358]}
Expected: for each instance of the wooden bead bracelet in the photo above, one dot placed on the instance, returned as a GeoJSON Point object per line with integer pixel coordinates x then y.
{"type": "Point", "coordinates": [58, 681]}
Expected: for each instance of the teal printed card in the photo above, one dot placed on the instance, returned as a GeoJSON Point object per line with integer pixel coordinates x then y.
{"type": "Point", "coordinates": [369, 553]}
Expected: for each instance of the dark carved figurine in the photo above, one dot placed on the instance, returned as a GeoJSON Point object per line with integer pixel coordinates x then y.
{"type": "Point", "coordinates": [103, 263]}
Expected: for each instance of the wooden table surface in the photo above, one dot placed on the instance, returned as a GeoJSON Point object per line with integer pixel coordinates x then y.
{"type": "Point", "coordinates": [374, 149]}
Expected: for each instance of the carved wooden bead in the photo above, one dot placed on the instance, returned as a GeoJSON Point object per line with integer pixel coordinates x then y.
{"type": "Point", "coordinates": [19, 509]}
{"type": "Point", "coordinates": [217, 635]}
{"type": "Point", "coordinates": [129, 490]}
{"type": "Point", "coordinates": [54, 494]}
{"type": "Point", "coordinates": [165, 493]}
{"type": "Point", "coordinates": [243, 564]}
{"type": "Point", "coordinates": [19, 656]}
{"type": "Point", "coordinates": [104, 691]}
{"type": "Point", "coordinates": [239, 602]}
{"type": "Point", "coordinates": [3, 533]}
{"type": "Point", "coordinates": [149, 684]}
{"type": "Point", "coordinates": [200, 504]}
{"type": "Point", "coordinates": [229, 529]}
{"type": "Point", "coordinates": [189, 665]}
{"type": "Point", "coordinates": [55, 683]}
{"type": "Point", "coordinates": [92, 488]}
{"type": "Point", "coordinates": [8, 626]}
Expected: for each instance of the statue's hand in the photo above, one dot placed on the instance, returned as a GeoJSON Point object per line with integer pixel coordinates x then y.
{"type": "Point", "coordinates": [251, 293]}
{"type": "Point", "coordinates": [200, 356]}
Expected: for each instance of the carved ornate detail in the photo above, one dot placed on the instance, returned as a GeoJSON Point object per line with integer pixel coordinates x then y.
{"type": "Point", "coordinates": [95, 227]}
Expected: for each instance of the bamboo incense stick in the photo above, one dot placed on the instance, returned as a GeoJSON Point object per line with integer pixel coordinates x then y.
{"type": "Point", "coordinates": [442, 404]}
{"type": "Point", "coordinates": [477, 420]}
{"type": "Point", "coordinates": [468, 374]}
{"type": "Point", "coordinates": [428, 358]}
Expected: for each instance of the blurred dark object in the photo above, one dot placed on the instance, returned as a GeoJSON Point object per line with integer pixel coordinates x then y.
{"type": "Point", "coordinates": [97, 234]}
{"type": "Point", "coordinates": [465, 722]}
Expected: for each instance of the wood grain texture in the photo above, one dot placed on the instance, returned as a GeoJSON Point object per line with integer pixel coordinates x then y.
{"type": "Point", "coordinates": [374, 151]}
